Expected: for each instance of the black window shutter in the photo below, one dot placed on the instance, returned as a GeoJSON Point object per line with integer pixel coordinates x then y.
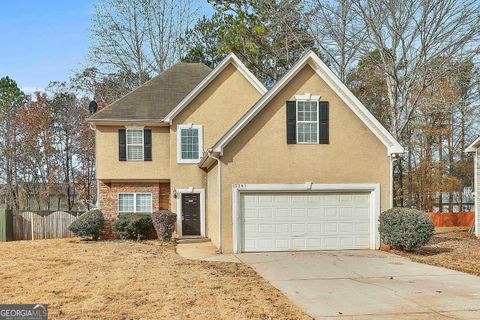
{"type": "Point", "coordinates": [122, 145]}
{"type": "Point", "coordinates": [291, 122]}
{"type": "Point", "coordinates": [147, 144]}
{"type": "Point", "coordinates": [323, 122]}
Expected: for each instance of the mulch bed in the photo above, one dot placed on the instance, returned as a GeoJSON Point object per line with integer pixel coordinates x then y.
{"type": "Point", "coordinates": [454, 248]}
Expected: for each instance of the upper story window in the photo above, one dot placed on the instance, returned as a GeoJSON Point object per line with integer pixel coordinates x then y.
{"type": "Point", "coordinates": [135, 144]}
{"type": "Point", "coordinates": [307, 120]}
{"type": "Point", "coordinates": [189, 143]}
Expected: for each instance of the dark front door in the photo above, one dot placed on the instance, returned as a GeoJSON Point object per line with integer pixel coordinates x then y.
{"type": "Point", "coordinates": [191, 214]}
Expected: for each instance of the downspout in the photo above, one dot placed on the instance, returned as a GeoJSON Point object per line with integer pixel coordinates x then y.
{"type": "Point", "coordinates": [219, 184]}
{"type": "Point", "coordinates": [391, 180]}
{"type": "Point", "coordinates": [393, 157]}
{"type": "Point", "coordinates": [97, 205]}
{"type": "Point", "coordinates": [475, 194]}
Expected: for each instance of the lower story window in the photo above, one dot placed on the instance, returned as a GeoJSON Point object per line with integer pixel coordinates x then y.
{"type": "Point", "coordinates": [135, 203]}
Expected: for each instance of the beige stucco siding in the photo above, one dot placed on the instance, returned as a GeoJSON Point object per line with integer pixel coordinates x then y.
{"type": "Point", "coordinates": [260, 154]}
{"type": "Point", "coordinates": [110, 168]}
{"type": "Point", "coordinates": [216, 108]}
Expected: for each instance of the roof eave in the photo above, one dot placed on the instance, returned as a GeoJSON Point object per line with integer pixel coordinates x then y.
{"type": "Point", "coordinates": [392, 145]}
{"type": "Point", "coordinates": [231, 58]}
{"type": "Point", "coordinates": [474, 146]}
{"type": "Point", "coordinates": [106, 120]}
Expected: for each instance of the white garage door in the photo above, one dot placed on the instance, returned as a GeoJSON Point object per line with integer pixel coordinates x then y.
{"type": "Point", "coordinates": [305, 221]}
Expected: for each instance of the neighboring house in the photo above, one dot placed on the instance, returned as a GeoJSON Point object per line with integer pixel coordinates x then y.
{"type": "Point", "coordinates": [461, 201]}
{"type": "Point", "coordinates": [474, 148]}
{"type": "Point", "coordinates": [303, 166]}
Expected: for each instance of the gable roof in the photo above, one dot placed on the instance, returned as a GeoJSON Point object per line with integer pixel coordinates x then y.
{"type": "Point", "coordinates": [393, 147]}
{"type": "Point", "coordinates": [231, 58]}
{"type": "Point", "coordinates": [474, 146]}
{"type": "Point", "coordinates": [154, 99]}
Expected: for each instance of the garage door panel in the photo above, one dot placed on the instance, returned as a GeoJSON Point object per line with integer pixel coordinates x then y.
{"type": "Point", "coordinates": [265, 244]}
{"type": "Point", "coordinates": [250, 213]}
{"type": "Point", "coordinates": [345, 212]}
{"type": "Point", "coordinates": [250, 228]}
{"type": "Point", "coordinates": [314, 221]}
{"type": "Point", "coordinates": [315, 212]}
{"type": "Point", "coordinates": [314, 227]}
{"type": "Point", "coordinates": [361, 242]}
{"type": "Point", "coordinates": [362, 227]}
{"type": "Point", "coordinates": [280, 198]}
{"type": "Point", "coordinates": [282, 212]}
{"type": "Point", "coordinates": [331, 212]}
{"type": "Point", "coordinates": [281, 244]}
{"type": "Point", "coordinates": [298, 212]}
{"type": "Point", "coordinates": [265, 228]}
{"type": "Point", "coordinates": [265, 213]}
{"type": "Point", "coordinates": [346, 227]}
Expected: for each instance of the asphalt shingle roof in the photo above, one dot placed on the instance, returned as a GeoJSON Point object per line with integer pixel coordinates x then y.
{"type": "Point", "coordinates": [156, 98]}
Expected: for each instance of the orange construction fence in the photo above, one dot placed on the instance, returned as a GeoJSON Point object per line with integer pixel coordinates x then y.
{"type": "Point", "coordinates": [452, 219]}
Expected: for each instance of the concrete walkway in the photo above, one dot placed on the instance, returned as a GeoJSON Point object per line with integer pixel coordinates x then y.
{"type": "Point", "coordinates": [368, 285]}
{"type": "Point", "coordinates": [205, 251]}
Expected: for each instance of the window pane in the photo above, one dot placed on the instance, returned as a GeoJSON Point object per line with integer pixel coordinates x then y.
{"type": "Point", "coordinates": [125, 202]}
{"type": "Point", "coordinates": [190, 143]}
{"type": "Point", "coordinates": [307, 132]}
{"type": "Point", "coordinates": [135, 153]}
{"type": "Point", "coordinates": [301, 116]}
{"type": "Point", "coordinates": [313, 132]}
{"type": "Point", "coordinates": [301, 105]}
{"type": "Point", "coordinates": [134, 144]}
{"type": "Point", "coordinates": [307, 122]}
{"type": "Point", "coordinates": [144, 203]}
{"type": "Point", "coordinates": [134, 136]}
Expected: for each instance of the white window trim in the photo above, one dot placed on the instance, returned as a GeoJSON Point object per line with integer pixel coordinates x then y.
{"type": "Point", "coordinates": [179, 209]}
{"type": "Point", "coordinates": [372, 188]}
{"type": "Point", "coordinates": [179, 142]}
{"type": "Point", "coordinates": [134, 202]}
{"type": "Point", "coordinates": [131, 128]}
{"type": "Point", "coordinates": [318, 118]}
{"type": "Point", "coordinates": [307, 96]}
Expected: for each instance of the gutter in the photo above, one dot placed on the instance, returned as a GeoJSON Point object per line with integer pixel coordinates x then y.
{"type": "Point", "coordinates": [161, 121]}
{"type": "Point", "coordinates": [219, 185]}
{"type": "Point", "coordinates": [393, 157]}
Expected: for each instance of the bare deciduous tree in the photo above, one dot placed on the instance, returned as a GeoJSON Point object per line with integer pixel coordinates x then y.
{"type": "Point", "coordinates": [410, 35]}
{"type": "Point", "coordinates": [139, 36]}
{"type": "Point", "coordinates": [335, 27]}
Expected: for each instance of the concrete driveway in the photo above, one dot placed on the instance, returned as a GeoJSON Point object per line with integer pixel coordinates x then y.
{"type": "Point", "coordinates": [368, 285]}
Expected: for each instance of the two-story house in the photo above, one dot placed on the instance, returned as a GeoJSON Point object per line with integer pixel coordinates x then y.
{"type": "Point", "coordinates": [302, 166]}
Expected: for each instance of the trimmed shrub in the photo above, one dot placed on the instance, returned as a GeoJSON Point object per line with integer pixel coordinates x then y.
{"type": "Point", "coordinates": [164, 223]}
{"type": "Point", "coordinates": [135, 226]}
{"type": "Point", "coordinates": [88, 225]}
{"type": "Point", "coordinates": [405, 229]}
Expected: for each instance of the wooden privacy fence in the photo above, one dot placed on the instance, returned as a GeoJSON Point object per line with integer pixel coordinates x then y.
{"type": "Point", "coordinates": [6, 222]}
{"type": "Point", "coordinates": [34, 225]}
{"type": "Point", "coordinates": [452, 219]}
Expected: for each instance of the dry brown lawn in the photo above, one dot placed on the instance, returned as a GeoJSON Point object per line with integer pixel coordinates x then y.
{"type": "Point", "coordinates": [130, 280]}
{"type": "Point", "coordinates": [454, 248]}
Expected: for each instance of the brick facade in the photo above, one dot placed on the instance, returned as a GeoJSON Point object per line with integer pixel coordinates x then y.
{"type": "Point", "coordinates": [108, 192]}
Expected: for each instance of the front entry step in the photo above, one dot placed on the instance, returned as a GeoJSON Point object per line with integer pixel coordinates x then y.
{"type": "Point", "coordinates": [192, 239]}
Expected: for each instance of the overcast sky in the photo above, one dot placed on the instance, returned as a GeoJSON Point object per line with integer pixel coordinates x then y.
{"type": "Point", "coordinates": [44, 40]}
